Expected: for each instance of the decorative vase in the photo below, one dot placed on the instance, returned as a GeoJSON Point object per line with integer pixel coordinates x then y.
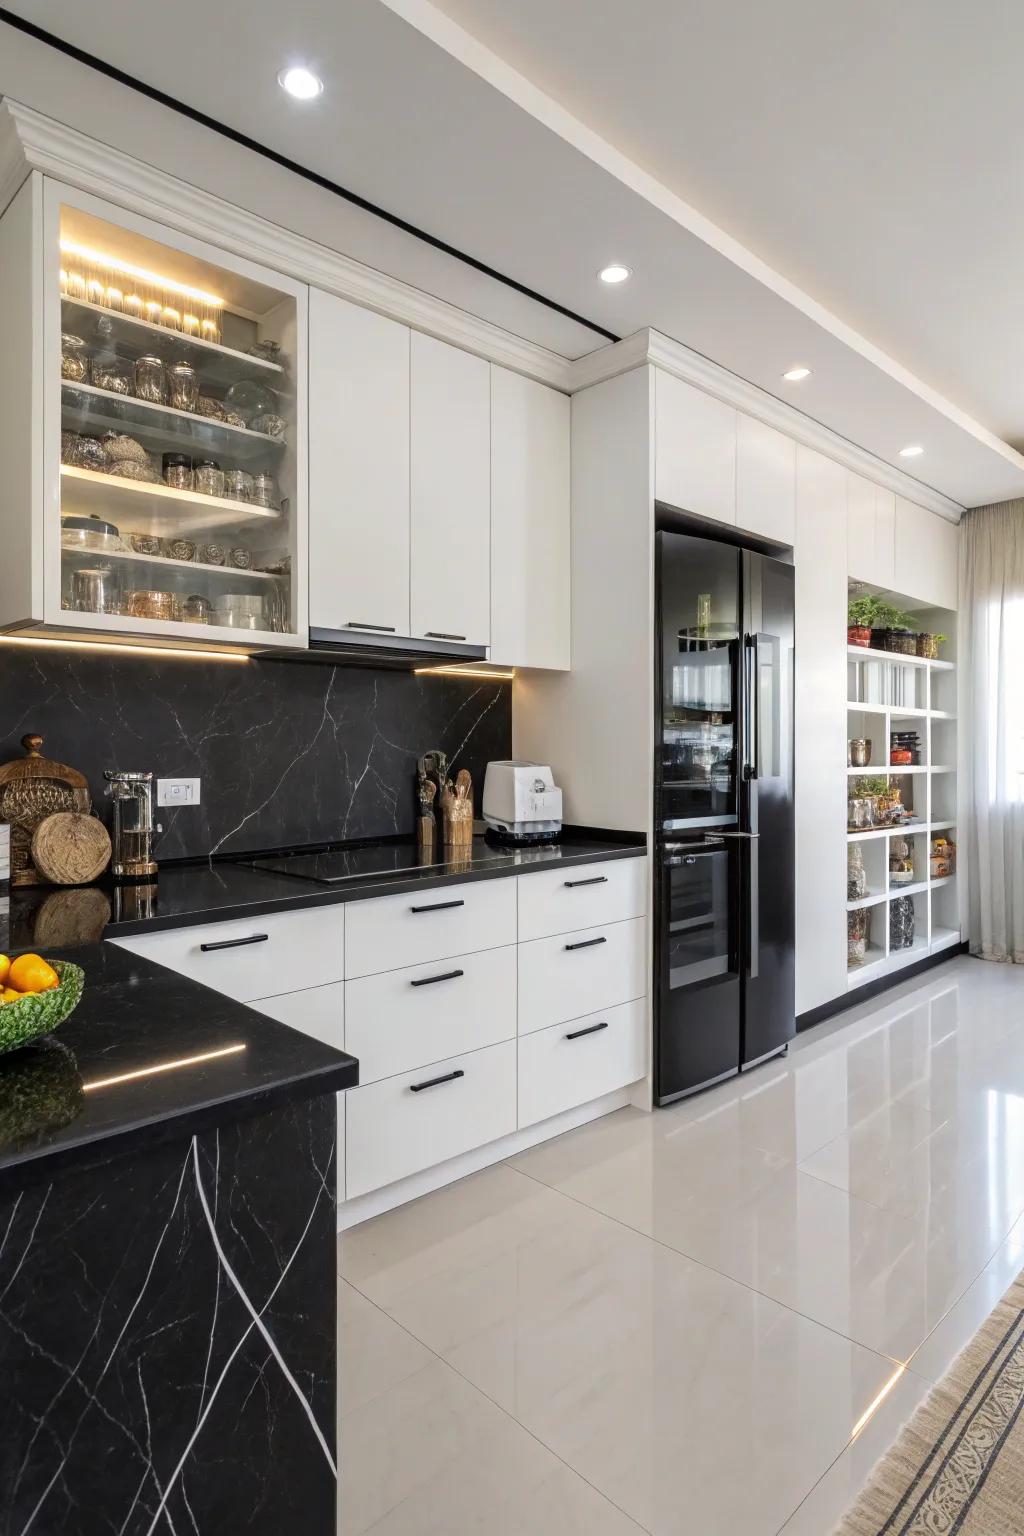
{"type": "Point", "coordinates": [901, 923]}
{"type": "Point", "coordinates": [857, 924]}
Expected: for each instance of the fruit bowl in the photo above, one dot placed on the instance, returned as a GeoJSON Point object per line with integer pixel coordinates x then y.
{"type": "Point", "coordinates": [40, 1012]}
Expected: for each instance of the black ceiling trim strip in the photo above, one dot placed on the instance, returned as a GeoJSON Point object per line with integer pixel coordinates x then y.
{"type": "Point", "coordinates": [113, 73]}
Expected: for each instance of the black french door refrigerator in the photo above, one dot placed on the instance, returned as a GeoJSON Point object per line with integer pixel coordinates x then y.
{"type": "Point", "coordinates": [724, 817]}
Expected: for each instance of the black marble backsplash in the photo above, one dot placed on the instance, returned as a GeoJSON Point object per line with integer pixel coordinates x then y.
{"type": "Point", "coordinates": [288, 753]}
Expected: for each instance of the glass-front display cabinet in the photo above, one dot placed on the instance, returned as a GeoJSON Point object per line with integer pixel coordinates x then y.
{"type": "Point", "coordinates": [173, 378]}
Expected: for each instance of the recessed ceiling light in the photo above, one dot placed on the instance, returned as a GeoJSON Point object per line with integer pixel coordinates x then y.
{"type": "Point", "coordinates": [794, 375]}
{"type": "Point", "coordinates": [911, 451]}
{"type": "Point", "coordinates": [615, 272]}
{"type": "Point", "coordinates": [300, 82]}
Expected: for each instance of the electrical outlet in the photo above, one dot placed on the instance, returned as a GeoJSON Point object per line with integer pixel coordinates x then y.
{"type": "Point", "coordinates": [177, 791]}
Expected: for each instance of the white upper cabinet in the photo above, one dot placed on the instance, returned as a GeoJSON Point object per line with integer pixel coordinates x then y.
{"type": "Point", "coordinates": [871, 532]}
{"type": "Point", "coordinates": [926, 555]}
{"type": "Point", "coordinates": [765, 480]}
{"type": "Point", "coordinates": [529, 522]}
{"type": "Point", "coordinates": [450, 478]}
{"type": "Point", "coordinates": [695, 450]}
{"type": "Point", "coordinates": [358, 469]}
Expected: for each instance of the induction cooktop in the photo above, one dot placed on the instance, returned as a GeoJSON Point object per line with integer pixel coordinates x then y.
{"type": "Point", "coordinates": [361, 863]}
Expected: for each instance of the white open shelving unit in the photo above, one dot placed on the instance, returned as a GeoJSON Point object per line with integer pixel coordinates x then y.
{"type": "Point", "coordinates": [888, 692]}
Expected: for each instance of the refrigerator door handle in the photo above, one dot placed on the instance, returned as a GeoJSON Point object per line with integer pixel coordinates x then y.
{"type": "Point", "coordinates": [751, 709]}
{"type": "Point", "coordinates": [753, 935]}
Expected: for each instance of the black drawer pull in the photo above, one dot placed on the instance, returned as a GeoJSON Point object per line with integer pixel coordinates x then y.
{"type": "Point", "coordinates": [428, 981]}
{"type": "Point", "coordinates": [439, 634]}
{"type": "Point", "coordinates": [587, 943]}
{"type": "Point", "coordinates": [438, 906]}
{"type": "Point", "coordinates": [254, 938]}
{"type": "Point", "coordinates": [381, 629]}
{"type": "Point", "coordinates": [578, 1034]}
{"type": "Point", "coordinates": [594, 880]}
{"type": "Point", "coordinates": [449, 1077]}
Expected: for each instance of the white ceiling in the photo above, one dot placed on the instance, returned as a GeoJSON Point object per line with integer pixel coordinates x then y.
{"type": "Point", "coordinates": [867, 153]}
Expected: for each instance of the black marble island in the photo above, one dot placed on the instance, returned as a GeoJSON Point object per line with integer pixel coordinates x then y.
{"type": "Point", "coordinates": [167, 1266]}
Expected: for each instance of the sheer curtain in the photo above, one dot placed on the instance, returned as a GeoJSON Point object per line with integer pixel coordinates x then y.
{"type": "Point", "coordinates": [991, 660]}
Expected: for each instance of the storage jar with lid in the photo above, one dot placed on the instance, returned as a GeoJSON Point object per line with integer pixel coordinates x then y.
{"type": "Point", "coordinates": [264, 491]}
{"type": "Point", "coordinates": [94, 589]}
{"type": "Point", "coordinates": [182, 386]}
{"type": "Point", "coordinates": [112, 374]}
{"type": "Point", "coordinates": [178, 471]}
{"type": "Point", "coordinates": [151, 380]}
{"type": "Point", "coordinates": [88, 533]}
{"type": "Point", "coordinates": [151, 605]}
{"type": "Point", "coordinates": [238, 485]}
{"type": "Point", "coordinates": [74, 359]}
{"type": "Point", "coordinates": [209, 477]}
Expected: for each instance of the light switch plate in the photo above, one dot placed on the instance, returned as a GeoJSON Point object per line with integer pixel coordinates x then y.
{"type": "Point", "coordinates": [177, 791]}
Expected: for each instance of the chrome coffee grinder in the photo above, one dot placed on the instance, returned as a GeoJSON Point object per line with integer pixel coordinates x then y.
{"type": "Point", "coordinates": [132, 796]}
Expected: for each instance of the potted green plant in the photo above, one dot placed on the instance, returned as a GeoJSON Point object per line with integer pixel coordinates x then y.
{"type": "Point", "coordinates": [860, 614]}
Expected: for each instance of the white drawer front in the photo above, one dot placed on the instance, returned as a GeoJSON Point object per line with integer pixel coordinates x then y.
{"type": "Point", "coordinates": [560, 900]}
{"type": "Point", "coordinates": [576, 973]}
{"type": "Point", "coordinates": [288, 945]}
{"type": "Point", "coordinates": [317, 1011]}
{"type": "Point", "coordinates": [573, 1063]}
{"type": "Point", "coordinates": [393, 1131]}
{"type": "Point", "coordinates": [388, 932]}
{"type": "Point", "coordinates": [398, 1020]}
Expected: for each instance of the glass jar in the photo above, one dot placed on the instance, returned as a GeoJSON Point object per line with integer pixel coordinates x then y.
{"type": "Point", "coordinates": [264, 491]}
{"type": "Point", "coordinates": [121, 448]}
{"type": "Point", "coordinates": [271, 425]}
{"type": "Point", "coordinates": [858, 752]}
{"type": "Point", "coordinates": [74, 359]}
{"type": "Point", "coordinates": [112, 374]}
{"type": "Point", "coordinates": [196, 609]}
{"type": "Point", "coordinates": [178, 472]}
{"type": "Point", "coordinates": [88, 453]}
{"type": "Point", "coordinates": [901, 923]}
{"type": "Point", "coordinates": [856, 874]}
{"type": "Point", "coordinates": [182, 386]}
{"type": "Point", "coordinates": [240, 558]}
{"type": "Point", "coordinates": [179, 549]}
{"type": "Point", "coordinates": [144, 543]}
{"type": "Point", "coordinates": [208, 477]}
{"type": "Point", "coordinates": [151, 380]}
{"type": "Point", "coordinates": [206, 405]}
{"type": "Point", "coordinates": [857, 923]}
{"type": "Point", "coordinates": [238, 485]}
{"type": "Point", "coordinates": [94, 590]}
{"type": "Point", "coordinates": [150, 605]}
{"type": "Point", "coordinates": [212, 554]}
{"type": "Point", "coordinates": [859, 815]}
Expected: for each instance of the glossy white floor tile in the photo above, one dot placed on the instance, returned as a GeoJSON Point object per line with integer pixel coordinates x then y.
{"type": "Point", "coordinates": [675, 1322]}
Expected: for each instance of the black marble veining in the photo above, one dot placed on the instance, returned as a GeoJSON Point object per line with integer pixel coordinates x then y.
{"type": "Point", "coordinates": [287, 754]}
{"type": "Point", "coordinates": [167, 1337]}
{"type": "Point", "coordinates": [148, 1055]}
{"type": "Point", "coordinates": [214, 892]}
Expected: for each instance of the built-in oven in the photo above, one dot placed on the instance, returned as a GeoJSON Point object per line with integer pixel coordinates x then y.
{"type": "Point", "coordinates": [697, 963]}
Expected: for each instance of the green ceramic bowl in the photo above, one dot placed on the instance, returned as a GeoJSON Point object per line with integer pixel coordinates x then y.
{"type": "Point", "coordinates": [37, 1015]}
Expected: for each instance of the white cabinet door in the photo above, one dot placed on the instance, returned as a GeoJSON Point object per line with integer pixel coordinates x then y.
{"type": "Point", "coordinates": [450, 475]}
{"type": "Point", "coordinates": [695, 450]}
{"type": "Point", "coordinates": [529, 522]}
{"type": "Point", "coordinates": [765, 480]}
{"type": "Point", "coordinates": [926, 555]}
{"type": "Point", "coordinates": [870, 531]}
{"type": "Point", "coordinates": [358, 468]}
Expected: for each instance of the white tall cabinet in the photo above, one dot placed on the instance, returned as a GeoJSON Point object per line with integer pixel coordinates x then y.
{"type": "Point", "coordinates": [450, 490]}
{"type": "Point", "coordinates": [529, 522]}
{"type": "Point", "coordinates": [358, 468]}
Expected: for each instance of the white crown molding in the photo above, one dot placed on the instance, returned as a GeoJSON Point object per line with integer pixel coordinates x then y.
{"type": "Point", "coordinates": [31, 141]}
{"type": "Point", "coordinates": [651, 348]}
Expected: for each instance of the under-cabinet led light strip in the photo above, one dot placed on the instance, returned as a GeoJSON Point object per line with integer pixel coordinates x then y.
{"type": "Point", "coordinates": [498, 675]}
{"type": "Point", "coordinates": [163, 1066]}
{"type": "Point", "coordinates": [115, 264]}
{"type": "Point", "coordinates": [190, 653]}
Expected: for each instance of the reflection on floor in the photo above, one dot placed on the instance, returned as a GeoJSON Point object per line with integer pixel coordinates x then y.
{"type": "Point", "coordinates": [710, 1320]}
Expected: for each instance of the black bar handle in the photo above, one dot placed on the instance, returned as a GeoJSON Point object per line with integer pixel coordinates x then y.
{"type": "Point", "coordinates": [439, 634]}
{"type": "Point", "coordinates": [594, 880]}
{"type": "Point", "coordinates": [254, 938]}
{"type": "Point", "coordinates": [587, 943]}
{"type": "Point", "coordinates": [433, 1082]}
{"type": "Point", "coordinates": [438, 906]}
{"type": "Point", "coordinates": [428, 981]}
{"type": "Point", "coordinates": [382, 629]}
{"type": "Point", "coordinates": [578, 1034]}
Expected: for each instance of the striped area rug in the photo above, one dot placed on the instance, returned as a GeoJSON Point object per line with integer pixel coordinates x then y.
{"type": "Point", "coordinates": [957, 1468]}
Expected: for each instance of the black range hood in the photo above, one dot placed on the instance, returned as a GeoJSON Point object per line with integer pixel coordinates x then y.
{"type": "Point", "coordinates": [379, 648]}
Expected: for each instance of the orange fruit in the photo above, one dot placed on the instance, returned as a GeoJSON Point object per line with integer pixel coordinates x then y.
{"type": "Point", "coordinates": [30, 973]}
{"type": "Point", "coordinates": [10, 995]}
{"type": "Point", "coordinates": [5, 966]}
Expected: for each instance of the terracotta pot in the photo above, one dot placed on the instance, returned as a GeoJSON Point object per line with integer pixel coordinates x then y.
{"type": "Point", "coordinates": [858, 634]}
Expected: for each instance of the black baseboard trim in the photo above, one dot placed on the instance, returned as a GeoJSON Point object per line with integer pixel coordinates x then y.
{"type": "Point", "coordinates": [874, 988]}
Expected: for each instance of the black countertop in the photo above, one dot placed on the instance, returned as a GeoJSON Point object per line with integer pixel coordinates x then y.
{"type": "Point", "coordinates": [148, 1056]}
{"type": "Point", "coordinates": [213, 892]}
